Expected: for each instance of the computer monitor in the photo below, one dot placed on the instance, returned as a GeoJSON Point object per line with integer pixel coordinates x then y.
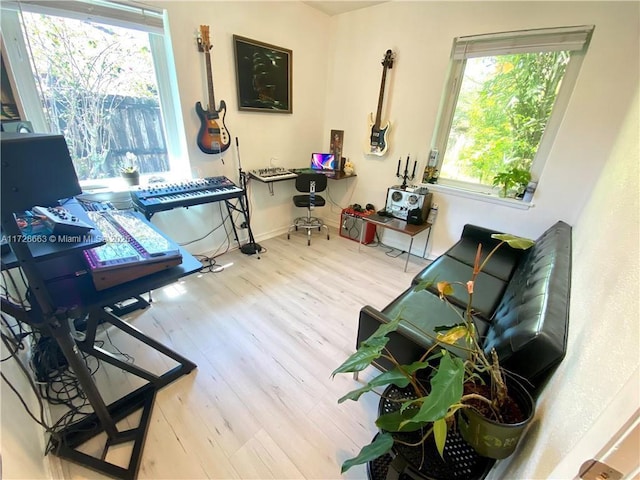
{"type": "Point", "coordinates": [36, 170]}
{"type": "Point", "coordinates": [324, 161]}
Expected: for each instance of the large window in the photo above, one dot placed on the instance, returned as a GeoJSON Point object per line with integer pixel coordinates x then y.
{"type": "Point", "coordinates": [100, 73]}
{"type": "Point", "coordinates": [504, 98]}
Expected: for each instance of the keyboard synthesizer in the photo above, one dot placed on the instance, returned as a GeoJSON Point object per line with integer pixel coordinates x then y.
{"type": "Point", "coordinates": [272, 174]}
{"type": "Point", "coordinates": [166, 196]}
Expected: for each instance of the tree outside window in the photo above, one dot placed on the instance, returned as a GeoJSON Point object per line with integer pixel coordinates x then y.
{"type": "Point", "coordinates": [97, 84]}
{"type": "Point", "coordinates": [501, 106]}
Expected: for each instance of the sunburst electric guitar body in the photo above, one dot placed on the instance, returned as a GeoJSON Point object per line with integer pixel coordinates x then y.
{"type": "Point", "coordinates": [213, 136]}
{"type": "Point", "coordinates": [378, 133]}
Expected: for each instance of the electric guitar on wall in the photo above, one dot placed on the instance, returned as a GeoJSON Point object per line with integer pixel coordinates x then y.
{"type": "Point", "coordinates": [378, 137]}
{"type": "Point", "coordinates": [213, 136]}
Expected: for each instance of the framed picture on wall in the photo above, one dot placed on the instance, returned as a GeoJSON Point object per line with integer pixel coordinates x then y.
{"type": "Point", "coordinates": [263, 74]}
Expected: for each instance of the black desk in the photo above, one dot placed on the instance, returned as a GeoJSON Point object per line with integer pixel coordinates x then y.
{"type": "Point", "coordinates": [331, 175]}
{"type": "Point", "coordinates": [75, 297]}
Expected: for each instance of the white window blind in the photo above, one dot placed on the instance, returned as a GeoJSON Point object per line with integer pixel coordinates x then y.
{"type": "Point", "coordinates": [120, 13]}
{"type": "Point", "coordinates": [526, 41]}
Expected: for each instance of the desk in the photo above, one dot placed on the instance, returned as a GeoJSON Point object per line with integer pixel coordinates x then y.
{"type": "Point", "coordinates": [65, 297]}
{"type": "Point", "coordinates": [293, 173]}
{"type": "Point", "coordinates": [400, 226]}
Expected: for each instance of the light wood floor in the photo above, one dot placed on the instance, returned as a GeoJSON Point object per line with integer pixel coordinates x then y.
{"type": "Point", "coordinates": [266, 334]}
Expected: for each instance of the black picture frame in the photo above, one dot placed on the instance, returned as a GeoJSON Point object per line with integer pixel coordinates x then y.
{"type": "Point", "coordinates": [263, 75]}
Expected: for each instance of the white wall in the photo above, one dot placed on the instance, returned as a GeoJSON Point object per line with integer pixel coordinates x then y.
{"type": "Point", "coordinates": [286, 138]}
{"type": "Point", "coordinates": [602, 351]}
{"type": "Point", "coordinates": [421, 35]}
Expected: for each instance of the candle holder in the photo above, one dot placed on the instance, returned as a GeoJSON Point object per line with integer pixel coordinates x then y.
{"type": "Point", "coordinates": [405, 176]}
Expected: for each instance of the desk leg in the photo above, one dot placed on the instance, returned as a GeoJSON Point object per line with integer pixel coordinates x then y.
{"type": "Point", "coordinates": [88, 346]}
{"type": "Point", "coordinates": [406, 263]}
{"type": "Point", "coordinates": [363, 227]}
{"type": "Point", "coordinates": [67, 442]}
{"type": "Point", "coordinates": [61, 332]}
{"type": "Point", "coordinates": [424, 252]}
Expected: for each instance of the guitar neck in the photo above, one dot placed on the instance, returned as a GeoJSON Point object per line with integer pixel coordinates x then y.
{"type": "Point", "coordinates": [376, 126]}
{"type": "Point", "coordinates": [212, 100]}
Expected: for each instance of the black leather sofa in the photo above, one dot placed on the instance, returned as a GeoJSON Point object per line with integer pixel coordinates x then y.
{"type": "Point", "coordinates": [521, 298]}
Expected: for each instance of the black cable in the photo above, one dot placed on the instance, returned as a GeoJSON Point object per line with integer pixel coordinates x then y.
{"type": "Point", "coordinates": [22, 367]}
{"type": "Point", "coordinates": [209, 264]}
{"type": "Point", "coordinates": [210, 231]}
{"type": "Point", "coordinates": [128, 358]}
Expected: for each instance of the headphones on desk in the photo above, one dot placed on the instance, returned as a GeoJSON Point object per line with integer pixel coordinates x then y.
{"type": "Point", "coordinates": [356, 207]}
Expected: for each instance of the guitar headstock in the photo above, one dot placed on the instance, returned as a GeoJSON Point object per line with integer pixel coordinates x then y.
{"type": "Point", "coordinates": [204, 44]}
{"type": "Point", "coordinates": [387, 61]}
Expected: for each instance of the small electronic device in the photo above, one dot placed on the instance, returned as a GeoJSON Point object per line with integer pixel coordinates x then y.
{"type": "Point", "coordinates": [61, 221]}
{"type": "Point", "coordinates": [324, 161]}
{"type": "Point", "coordinates": [401, 202]}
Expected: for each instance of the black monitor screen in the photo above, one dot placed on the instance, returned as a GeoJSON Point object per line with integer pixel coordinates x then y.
{"type": "Point", "coordinates": [36, 170]}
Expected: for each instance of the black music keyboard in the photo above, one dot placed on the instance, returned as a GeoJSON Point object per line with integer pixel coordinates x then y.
{"type": "Point", "coordinates": [166, 196]}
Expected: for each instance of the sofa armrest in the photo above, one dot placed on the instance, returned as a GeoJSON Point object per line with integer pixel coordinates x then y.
{"type": "Point", "coordinates": [404, 349]}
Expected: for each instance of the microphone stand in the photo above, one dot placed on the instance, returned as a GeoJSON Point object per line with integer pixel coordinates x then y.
{"type": "Point", "coordinates": [251, 247]}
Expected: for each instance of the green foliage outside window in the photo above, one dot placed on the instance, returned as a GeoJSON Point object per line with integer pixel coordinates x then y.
{"type": "Point", "coordinates": [87, 73]}
{"type": "Point", "coordinates": [502, 111]}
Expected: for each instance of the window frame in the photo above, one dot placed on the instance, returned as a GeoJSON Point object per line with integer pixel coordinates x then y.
{"type": "Point", "coordinates": [576, 39]}
{"type": "Point", "coordinates": [123, 14]}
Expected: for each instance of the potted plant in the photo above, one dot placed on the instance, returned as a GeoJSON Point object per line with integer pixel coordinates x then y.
{"type": "Point", "coordinates": [129, 171]}
{"type": "Point", "coordinates": [455, 381]}
{"type": "Point", "coordinates": [514, 179]}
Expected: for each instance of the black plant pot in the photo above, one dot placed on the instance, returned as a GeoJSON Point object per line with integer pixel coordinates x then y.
{"type": "Point", "coordinates": [424, 462]}
{"type": "Point", "coordinates": [491, 438]}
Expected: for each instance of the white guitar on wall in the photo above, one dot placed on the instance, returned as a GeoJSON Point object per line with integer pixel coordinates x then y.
{"type": "Point", "coordinates": [378, 142]}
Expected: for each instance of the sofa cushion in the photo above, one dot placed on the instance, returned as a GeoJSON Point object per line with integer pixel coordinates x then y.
{"type": "Point", "coordinates": [487, 290]}
{"type": "Point", "coordinates": [530, 326]}
{"type": "Point", "coordinates": [501, 265]}
{"type": "Point", "coordinates": [422, 312]}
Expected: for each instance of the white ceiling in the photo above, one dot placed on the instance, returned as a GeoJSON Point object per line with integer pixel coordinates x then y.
{"type": "Point", "coordinates": [336, 7]}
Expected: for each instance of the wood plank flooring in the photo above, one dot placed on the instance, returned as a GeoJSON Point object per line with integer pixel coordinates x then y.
{"type": "Point", "coordinates": [266, 334]}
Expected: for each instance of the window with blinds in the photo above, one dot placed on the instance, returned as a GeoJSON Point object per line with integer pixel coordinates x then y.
{"type": "Point", "coordinates": [503, 101]}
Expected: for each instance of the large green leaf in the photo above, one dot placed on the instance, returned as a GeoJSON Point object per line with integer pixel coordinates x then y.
{"type": "Point", "coordinates": [362, 358]}
{"type": "Point", "coordinates": [399, 421]}
{"type": "Point", "coordinates": [513, 241]}
{"type": "Point", "coordinates": [395, 377]}
{"type": "Point", "coordinates": [369, 350]}
{"type": "Point", "coordinates": [446, 390]}
{"type": "Point", "coordinates": [385, 328]}
{"type": "Point", "coordinates": [380, 445]}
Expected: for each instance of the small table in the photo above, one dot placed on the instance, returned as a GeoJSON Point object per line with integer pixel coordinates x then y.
{"type": "Point", "coordinates": [401, 226]}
